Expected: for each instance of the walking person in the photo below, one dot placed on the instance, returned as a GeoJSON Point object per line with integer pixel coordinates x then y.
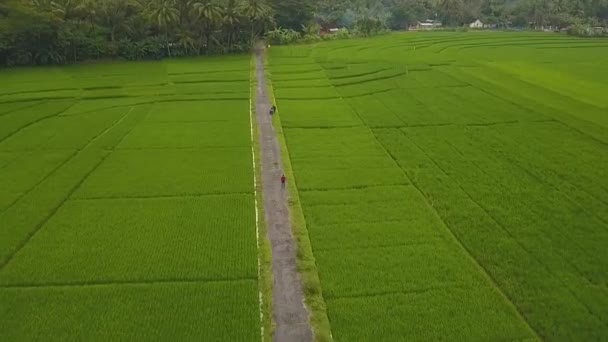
{"type": "Point", "coordinates": [273, 109]}
{"type": "Point", "coordinates": [283, 180]}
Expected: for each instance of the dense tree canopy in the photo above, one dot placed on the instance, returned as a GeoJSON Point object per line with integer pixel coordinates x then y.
{"type": "Point", "coordinates": [61, 31]}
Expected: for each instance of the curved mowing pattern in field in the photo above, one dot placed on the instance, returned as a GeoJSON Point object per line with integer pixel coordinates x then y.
{"type": "Point", "coordinates": [456, 187]}
{"type": "Point", "coordinates": [127, 202]}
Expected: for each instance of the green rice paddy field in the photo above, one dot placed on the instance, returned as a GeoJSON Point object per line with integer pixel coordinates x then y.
{"type": "Point", "coordinates": [454, 185]}
{"type": "Point", "coordinates": [127, 202]}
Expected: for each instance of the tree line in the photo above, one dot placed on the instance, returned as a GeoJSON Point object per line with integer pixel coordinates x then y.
{"type": "Point", "coordinates": [64, 31]}
{"type": "Point", "coordinates": [399, 14]}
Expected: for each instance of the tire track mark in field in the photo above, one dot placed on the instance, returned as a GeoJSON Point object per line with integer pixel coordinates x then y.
{"type": "Point", "coordinates": [47, 176]}
{"type": "Point", "coordinates": [38, 227]}
{"type": "Point", "coordinates": [399, 74]}
{"type": "Point", "coordinates": [481, 269]}
{"type": "Point", "coordinates": [540, 179]}
{"type": "Point", "coordinates": [354, 187]}
{"type": "Point", "coordinates": [158, 99]}
{"type": "Point", "coordinates": [37, 121]}
{"type": "Point", "coordinates": [370, 247]}
{"type": "Point", "coordinates": [504, 229]}
{"type": "Point", "coordinates": [320, 127]}
{"type": "Point", "coordinates": [37, 91]}
{"type": "Point", "coordinates": [70, 157]}
{"type": "Point", "coordinates": [125, 282]}
{"type": "Point", "coordinates": [568, 198]}
{"type": "Point", "coordinates": [185, 148]}
{"type": "Point", "coordinates": [576, 129]}
{"type": "Point", "coordinates": [375, 92]}
{"type": "Point", "coordinates": [153, 197]}
{"type": "Point", "coordinates": [50, 149]}
{"type": "Point", "coordinates": [21, 108]}
{"type": "Point", "coordinates": [56, 208]}
{"type": "Point", "coordinates": [510, 100]}
{"type": "Point", "coordinates": [402, 292]}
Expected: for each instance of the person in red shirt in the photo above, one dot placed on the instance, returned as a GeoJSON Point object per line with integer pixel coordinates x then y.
{"type": "Point", "coordinates": [283, 180]}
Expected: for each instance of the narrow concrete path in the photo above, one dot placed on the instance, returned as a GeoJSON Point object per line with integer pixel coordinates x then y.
{"type": "Point", "coordinates": [290, 314]}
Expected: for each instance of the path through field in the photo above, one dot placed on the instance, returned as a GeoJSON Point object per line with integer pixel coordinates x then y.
{"type": "Point", "coordinates": [290, 315]}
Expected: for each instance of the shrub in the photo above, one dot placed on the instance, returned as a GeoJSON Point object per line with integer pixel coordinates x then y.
{"type": "Point", "coordinates": [369, 26]}
{"type": "Point", "coordinates": [281, 36]}
{"type": "Point", "coordinates": [583, 30]}
{"type": "Point", "coordinates": [343, 33]}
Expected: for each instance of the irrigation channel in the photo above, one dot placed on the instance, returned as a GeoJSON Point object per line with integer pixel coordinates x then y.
{"type": "Point", "coordinates": [290, 314]}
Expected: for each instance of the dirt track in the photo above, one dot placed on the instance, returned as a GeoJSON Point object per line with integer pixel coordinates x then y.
{"type": "Point", "coordinates": [290, 314]}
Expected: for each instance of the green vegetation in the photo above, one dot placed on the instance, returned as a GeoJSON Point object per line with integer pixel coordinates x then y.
{"type": "Point", "coordinates": [127, 203]}
{"type": "Point", "coordinates": [453, 184]}
{"type": "Point", "coordinates": [445, 185]}
{"type": "Point", "coordinates": [161, 311]}
{"type": "Point", "coordinates": [66, 31]}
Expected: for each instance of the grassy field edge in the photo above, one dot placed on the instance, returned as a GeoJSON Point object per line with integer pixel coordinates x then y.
{"type": "Point", "coordinates": [265, 279]}
{"type": "Point", "coordinates": [307, 265]}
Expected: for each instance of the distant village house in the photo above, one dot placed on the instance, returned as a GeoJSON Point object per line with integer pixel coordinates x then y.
{"type": "Point", "coordinates": [428, 24]}
{"type": "Point", "coordinates": [329, 31]}
{"type": "Point", "coordinates": [477, 24]}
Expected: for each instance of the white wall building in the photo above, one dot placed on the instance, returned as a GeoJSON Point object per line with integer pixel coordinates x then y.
{"type": "Point", "coordinates": [476, 24]}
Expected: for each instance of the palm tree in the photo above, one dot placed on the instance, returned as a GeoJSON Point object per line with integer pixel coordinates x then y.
{"type": "Point", "coordinates": [164, 14]}
{"type": "Point", "coordinates": [88, 11]}
{"type": "Point", "coordinates": [232, 19]}
{"type": "Point", "coordinates": [44, 5]}
{"type": "Point", "coordinates": [210, 14]}
{"type": "Point", "coordinates": [539, 11]}
{"type": "Point", "coordinates": [186, 11]}
{"type": "Point", "coordinates": [258, 12]}
{"type": "Point", "coordinates": [451, 10]}
{"type": "Point", "coordinates": [186, 40]}
{"type": "Point", "coordinates": [66, 9]}
{"type": "Point", "coordinates": [116, 14]}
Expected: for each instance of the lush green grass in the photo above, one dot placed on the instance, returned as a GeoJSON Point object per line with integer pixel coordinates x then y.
{"type": "Point", "coordinates": [191, 172]}
{"type": "Point", "coordinates": [129, 240]}
{"type": "Point", "coordinates": [161, 311]}
{"type": "Point", "coordinates": [456, 187]}
{"type": "Point", "coordinates": [127, 205]}
{"type": "Point", "coordinates": [447, 186]}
